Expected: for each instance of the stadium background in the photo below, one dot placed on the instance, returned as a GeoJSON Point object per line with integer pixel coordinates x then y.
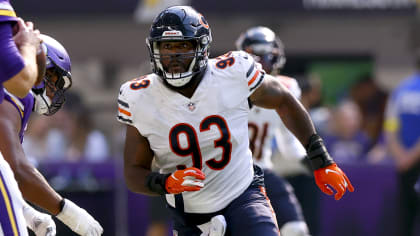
{"type": "Point", "coordinates": [338, 40]}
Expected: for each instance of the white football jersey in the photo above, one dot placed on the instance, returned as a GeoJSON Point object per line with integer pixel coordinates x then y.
{"type": "Point", "coordinates": [11, 202]}
{"type": "Point", "coordinates": [208, 131]}
{"type": "Point", "coordinates": [265, 125]}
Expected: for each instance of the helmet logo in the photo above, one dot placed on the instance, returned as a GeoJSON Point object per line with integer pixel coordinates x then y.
{"type": "Point", "coordinates": [203, 22]}
{"type": "Point", "coordinates": [173, 33]}
{"type": "Point", "coordinates": [191, 106]}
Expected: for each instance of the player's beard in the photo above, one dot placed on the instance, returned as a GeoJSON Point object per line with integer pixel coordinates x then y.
{"type": "Point", "coordinates": [177, 66]}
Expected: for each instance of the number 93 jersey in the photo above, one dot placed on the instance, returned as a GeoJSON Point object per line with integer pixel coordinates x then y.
{"type": "Point", "coordinates": [208, 131]}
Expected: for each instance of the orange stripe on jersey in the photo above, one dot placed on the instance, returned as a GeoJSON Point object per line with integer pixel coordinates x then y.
{"type": "Point", "coordinates": [254, 78]}
{"type": "Point", "coordinates": [262, 189]}
{"type": "Point", "coordinates": [127, 113]}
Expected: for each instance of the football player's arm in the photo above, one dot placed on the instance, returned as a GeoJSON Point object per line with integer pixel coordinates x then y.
{"type": "Point", "coordinates": [137, 161]}
{"type": "Point", "coordinates": [404, 158]}
{"type": "Point", "coordinates": [21, 52]}
{"type": "Point", "coordinates": [32, 184]}
{"type": "Point", "coordinates": [273, 95]}
{"type": "Point", "coordinates": [139, 178]}
{"type": "Point", "coordinates": [401, 155]}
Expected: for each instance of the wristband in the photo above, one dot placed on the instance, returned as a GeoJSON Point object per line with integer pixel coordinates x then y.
{"type": "Point", "coordinates": [155, 182]}
{"type": "Point", "coordinates": [317, 153]}
{"type": "Point", "coordinates": [61, 205]}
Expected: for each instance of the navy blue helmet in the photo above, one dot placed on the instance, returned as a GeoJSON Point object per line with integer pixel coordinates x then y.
{"type": "Point", "coordinates": [58, 63]}
{"type": "Point", "coordinates": [180, 23]}
{"type": "Point", "coordinates": [267, 48]}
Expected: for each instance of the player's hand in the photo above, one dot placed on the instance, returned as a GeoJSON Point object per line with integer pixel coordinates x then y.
{"type": "Point", "coordinates": [332, 177]}
{"type": "Point", "coordinates": [41, 224]}
{"type": "Point", "coordinates": [189, 179]}
{"type": "Point", "coordinates": [79, 220]}
{"type": "Point", "coordinates": [26, 35]}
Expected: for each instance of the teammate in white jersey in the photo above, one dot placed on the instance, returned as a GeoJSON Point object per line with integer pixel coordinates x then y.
{"type": "Point", "coordinates": [191, 115]}
{"type": "Point", "coordinates": [265, 126]}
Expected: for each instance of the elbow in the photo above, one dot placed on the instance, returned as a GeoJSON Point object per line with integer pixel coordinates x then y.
{"type": "Point", "coordinates": [136, 185]}
{"type": "Point", "coordinates": [27, 79]}
{"type": "Point", "coordinates": [20, 84]}
{"type": "Point", "coordinates": [21, 92]}
{"type": "Point", "coordinates": [131, 184]}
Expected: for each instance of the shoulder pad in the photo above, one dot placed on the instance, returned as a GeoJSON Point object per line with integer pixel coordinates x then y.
{"type": "Point", "coordinates": [242, 65]}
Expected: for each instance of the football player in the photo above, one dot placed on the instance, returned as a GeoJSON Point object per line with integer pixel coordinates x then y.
{"type": "Point", "coordinates": [19, 45]}
{"type": "Point", "coordinates": [45, 99]}
{"type": "Point", "coordinates": [265, 125]}
{"type": "Point", "coordinates": [191, 116]}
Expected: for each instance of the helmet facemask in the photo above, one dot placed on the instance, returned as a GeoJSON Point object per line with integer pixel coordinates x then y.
{"type": "Point", "coordinates": [197, 59]}
{"type": "Point", "coordinates": [268, 55]}
{"type": "Point", "coordinates": [49, 96]}
{"type": "Point", "coordinates": [179, 23]}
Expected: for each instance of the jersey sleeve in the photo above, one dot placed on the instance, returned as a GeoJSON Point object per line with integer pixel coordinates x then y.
{"type": "Point", "coordinates": [250, 70]}
{"type": "Point", "coordinates": [11, 61]}
{"type": "Point", "coordinates": [7, 13]}
{"type": "Point", "coordinates": [125, 114]}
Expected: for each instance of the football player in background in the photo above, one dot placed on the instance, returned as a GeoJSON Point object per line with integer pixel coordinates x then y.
{"type": "Point", "coordinates": [265, 125]}
{"type": "Point", "coordinates": [19, 46]}
{"type": "Point", "coordinates": [46, 99]}
{"type": "Point", "coordinates": [191, 115]}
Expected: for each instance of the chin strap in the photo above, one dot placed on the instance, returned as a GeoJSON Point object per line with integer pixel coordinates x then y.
{"type": "Point", "coordinates": [41, 101]}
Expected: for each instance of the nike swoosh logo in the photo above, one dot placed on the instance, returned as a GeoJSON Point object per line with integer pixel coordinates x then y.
{"type": "Point", "coordinates": [328, 170]}
{"type": "Point", "coordinates": [173, 176]}
{"type": "Point", "coordinates": [333, 171]}
{"type": "Point", "coordinates": [189, 171]}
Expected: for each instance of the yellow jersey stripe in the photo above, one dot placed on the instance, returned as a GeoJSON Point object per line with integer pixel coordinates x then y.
{"type": "Point", "coordinates": [7, 13]}
{"type": "Point", "coordinates": [9, 207]}
{"type": "Point", "coordinates": [17, 105]}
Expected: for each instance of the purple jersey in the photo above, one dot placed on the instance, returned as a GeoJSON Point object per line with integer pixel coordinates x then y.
{"type": "Point", "coordinates": [24, 107]}
{"type": "Point", "coordinates": [6, 11]}
{"type": "Point", "coordinates": [10, 60]}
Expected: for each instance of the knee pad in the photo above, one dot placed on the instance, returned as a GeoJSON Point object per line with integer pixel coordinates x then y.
{"type": "Point", "coordinates": [294, 228]}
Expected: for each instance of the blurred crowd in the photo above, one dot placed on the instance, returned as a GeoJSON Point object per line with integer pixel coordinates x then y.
{"type": "Point", "coordinates": [69, 135]}
{"type": "Point", "coordinates": [352, 128]}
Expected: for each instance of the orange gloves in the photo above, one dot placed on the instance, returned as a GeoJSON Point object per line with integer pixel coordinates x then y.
{"type": "Point", "coordinates": [326, 172]}
{"type": "Point", "coordinates": [189, 179]}
{"type": "Point", "coordinates": [333, 176]}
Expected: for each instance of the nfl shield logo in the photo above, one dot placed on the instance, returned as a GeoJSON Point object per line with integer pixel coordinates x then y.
{"type": "Point", "coordinates": [191, 106]}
